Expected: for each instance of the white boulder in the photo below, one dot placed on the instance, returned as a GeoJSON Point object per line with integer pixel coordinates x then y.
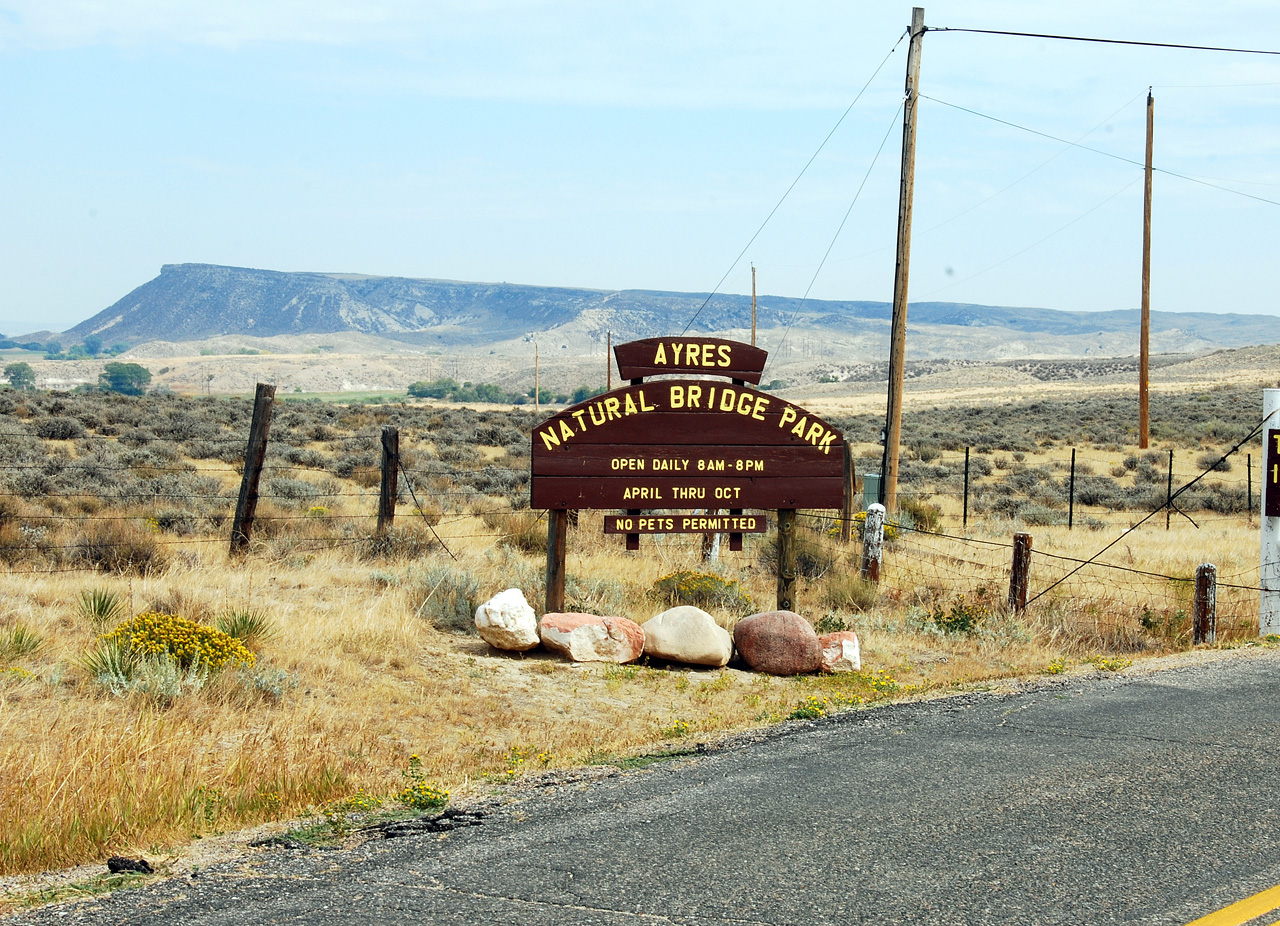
{"type": "Point", "coordinates": [507, 622]}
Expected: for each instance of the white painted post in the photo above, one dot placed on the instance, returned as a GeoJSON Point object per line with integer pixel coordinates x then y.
{"type": "Point", "coordinates": [873, 542]}
{"type": "Point", "coordinates": [1269, 571]}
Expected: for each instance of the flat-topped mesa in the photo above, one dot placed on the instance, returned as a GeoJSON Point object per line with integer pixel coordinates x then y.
{"type": "Point", "coordinates": [734, 360]}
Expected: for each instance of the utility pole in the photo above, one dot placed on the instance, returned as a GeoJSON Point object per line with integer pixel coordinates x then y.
{"type": "Point", "coordinates": [1144, 356]}
{"type": "Point", "coordinates": [608, 363]}
{"type": "Point", "coordinates": [753, 305]}
{"type": "Point", "coordinates": [898, 331]}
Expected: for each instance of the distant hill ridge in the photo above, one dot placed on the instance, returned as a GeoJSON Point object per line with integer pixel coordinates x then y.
{"type": "Point", "coordinates": [188, 302]}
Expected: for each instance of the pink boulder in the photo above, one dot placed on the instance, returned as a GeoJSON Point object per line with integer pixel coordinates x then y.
{"type": "Point", "coordinates": [778, 642]}
{"type": "Point", "coordinates": [840, 652]}
{"type": "Point", "coordinates": [591, 638]}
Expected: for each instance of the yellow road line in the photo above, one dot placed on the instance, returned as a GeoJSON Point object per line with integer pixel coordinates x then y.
{"type": "Point", "coordinates": [1243, 910]}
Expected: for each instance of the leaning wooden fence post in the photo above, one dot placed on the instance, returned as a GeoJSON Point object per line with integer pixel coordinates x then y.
{"type": "Point", "coordinates": [390, 479]}
{"type": "Point", "coordinates": [254, 454]}
{"type": "Point", "coordinates": [873, 543]}
{"type": "Point", "coordinates": [1020, 574]}
{"type": "Point", "coordinates": [850, 484]}
{"type": "Point", "coordinates": [557, 529]}
{"type": "Point", "coordinates": [786, 559]}
{"type": "Point", "coordinates": [1205, 609]}
{"type": "Point", "coordinates": [1071, 493]}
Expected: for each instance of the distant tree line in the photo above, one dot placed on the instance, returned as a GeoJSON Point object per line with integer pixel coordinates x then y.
{"type": "Point", "coordinates": [453, 391]}
{"type": "Point", "coordinates": [124, 378]}
{"type": "Point", "coordinates": [90, 347]}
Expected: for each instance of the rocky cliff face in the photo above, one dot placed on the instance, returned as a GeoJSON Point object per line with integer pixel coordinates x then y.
{"type": "Point", "coordinates": [192, 302]}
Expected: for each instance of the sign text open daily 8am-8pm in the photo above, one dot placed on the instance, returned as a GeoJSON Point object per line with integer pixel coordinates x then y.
{"type": "Point", "coordinates": [687, 444]}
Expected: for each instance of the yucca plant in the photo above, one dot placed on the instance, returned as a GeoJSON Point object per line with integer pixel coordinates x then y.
{"type": "Point", "coordinates": [101, 607]}
{"type": "Point", "coordinates": [20, 640]}
{"type": "Point", "coordinates": [248, 625]}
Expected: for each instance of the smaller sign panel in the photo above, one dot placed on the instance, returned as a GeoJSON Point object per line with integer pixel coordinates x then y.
{"type": "Point", "coordinates": [685, 524]}
{"type": "Point", "coordinates": [710, 356]}
{"type": "Point", "coordinates": [1271, 481]}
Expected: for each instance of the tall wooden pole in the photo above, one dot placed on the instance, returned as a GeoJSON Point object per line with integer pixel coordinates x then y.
{"type": "Point", "coordinates": [537, 389]}
{"type": "Point", "coordinates": [898, 331]}
{"type": "Point", "coordinates": [608, 363]}
{"type": "Point", "coordinates": [753, 305]}
{"type": "Point", "coordinates": [1144, 357]}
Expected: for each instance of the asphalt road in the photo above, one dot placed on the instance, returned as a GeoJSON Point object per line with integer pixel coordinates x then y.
{"type": "Point", "coordinates": [1116, 799]}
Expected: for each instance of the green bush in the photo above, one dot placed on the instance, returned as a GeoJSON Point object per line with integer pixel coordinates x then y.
{"type": "Point", "coordinates": [961, 617]}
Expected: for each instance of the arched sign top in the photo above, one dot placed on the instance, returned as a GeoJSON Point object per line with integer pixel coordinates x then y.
{"type": "Point", "coordinates": [707, 356]}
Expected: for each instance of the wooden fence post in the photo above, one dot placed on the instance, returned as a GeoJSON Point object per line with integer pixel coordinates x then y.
{"type": "Point", "coordinates": [1019, 575]}
{"type": "Point", "coordinates": [254, 454]}
{"type": "Point", "coordinates": [1168, 495]}
{"type": "Point", "coordinates": [557, 529]}
{"type": "Point", "coordinates": [1205, 609]}
{"type": "Point", "coordinates": [964, 520]}
{"type": "Point", "coordinates": [850, 486]}
{"type": "Point", "coordinates": [786, 559]}
{"type": "Point", "coordinates": [1071, 493]}
{"type": "Point", "coordinates": [873, 543]}
{"type": "Point", "coordinates": [390, 479]}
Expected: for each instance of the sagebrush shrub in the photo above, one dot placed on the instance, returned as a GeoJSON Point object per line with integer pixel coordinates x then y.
{"type": "Point", "coordinates": [448, 599]}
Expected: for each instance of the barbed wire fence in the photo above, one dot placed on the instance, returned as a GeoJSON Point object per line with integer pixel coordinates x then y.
{"type": "Point", "coordinates": [183, 499]}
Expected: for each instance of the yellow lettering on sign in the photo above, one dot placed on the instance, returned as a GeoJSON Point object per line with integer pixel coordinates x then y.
{"type": "Point", "coordinates": [744, 403]}
{"type": "Point", "coordinates": [613, 407]}
{"type": "Point", "coordinates": [695, 396]}
{"type": "Point", "coordinates": [798, 430]}
{"type": "Point", "coordinates": [723, 350]}
{"type": "Point", "coordinates": [661, 356]}
{"type": "Point", "coordinates": [579, 415]}
{"type": "Point", "coordinates": [675, 352]}
{"type": "Point", "coordinates": [788, 416]}
{"type": "Point", "coordinates": [676, 399]}
{"type": "Point", "coordinates": [762, 402]}
{"type": "Point", "coordinates": [644, 407]}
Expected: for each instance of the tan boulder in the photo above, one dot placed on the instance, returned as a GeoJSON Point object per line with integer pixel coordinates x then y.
{"type": "Point", "coordinates": [778, 642]}
{"type": "Point", "coordinates": [592, 638]}
{"type": "Point", "coordinates": [687, 634]}
{"type": "Point", "coordinates": [840, 652]}
{"type": "Point", "coordinates": [507, 622]}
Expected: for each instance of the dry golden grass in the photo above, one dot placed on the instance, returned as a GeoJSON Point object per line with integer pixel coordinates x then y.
{"type": "Point", "coordinates": [85, 774]}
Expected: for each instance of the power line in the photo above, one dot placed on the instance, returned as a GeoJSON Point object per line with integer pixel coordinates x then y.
{"type": "Point", "coordinates": [807, 164]}
{"type": "Point", "coordinates": [795, 314]}
{"type": "Point", "coordinates": [1107, 154]}
{"type": "Point", "coordinates": [1081, 38]}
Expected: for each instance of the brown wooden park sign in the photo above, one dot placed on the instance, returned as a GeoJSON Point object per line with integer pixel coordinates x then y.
{"type": "Point", "coordinates": [691, 445]}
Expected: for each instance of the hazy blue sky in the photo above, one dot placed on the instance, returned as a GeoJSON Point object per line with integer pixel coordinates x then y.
{"type": "Point", "coordinates": [630, 145]}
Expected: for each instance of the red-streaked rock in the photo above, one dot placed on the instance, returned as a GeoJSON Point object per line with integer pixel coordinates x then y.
{"type": "Point", "coordinates": [687, 634]}
{"type": "Point", "coordinates": [778, 642]}
{"type": "Point", "coordinates": [840, 652]}
{"type": "Point", "coordinates": [507, 622]}
{"type": "Point", "coordinates": [592, 638]}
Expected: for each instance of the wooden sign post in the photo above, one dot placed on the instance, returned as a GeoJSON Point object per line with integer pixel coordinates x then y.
{"type": "Point", "coordinates": [686, 445]}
